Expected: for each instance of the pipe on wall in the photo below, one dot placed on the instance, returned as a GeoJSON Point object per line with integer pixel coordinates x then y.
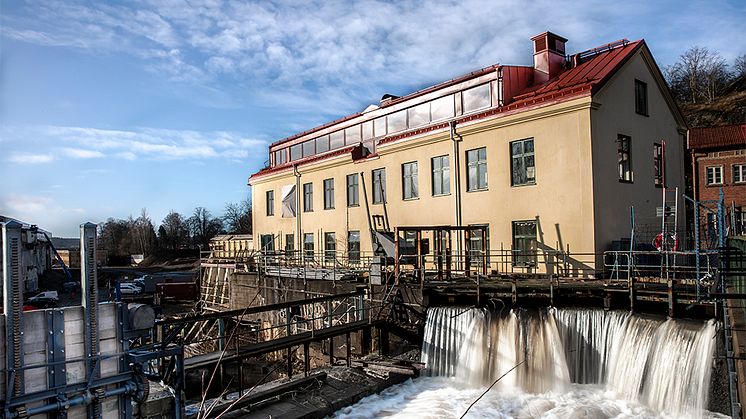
{"type": "Point", "coordinates": [455, 138]}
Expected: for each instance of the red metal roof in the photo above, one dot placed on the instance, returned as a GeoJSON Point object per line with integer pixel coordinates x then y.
{"type": "Point", "coordinates": [717, 137]}
{"type": "Point", "coordinates": [287, 166]}
{"type": "Point", "coordinates": [594, 68]}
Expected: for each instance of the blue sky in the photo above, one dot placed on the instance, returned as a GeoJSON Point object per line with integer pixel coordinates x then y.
{"type": "Point", "coordinates": [107, 108]}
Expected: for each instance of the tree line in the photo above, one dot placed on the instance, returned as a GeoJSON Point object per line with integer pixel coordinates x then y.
{"type": "Point", "coordinates": [701, 75]}
{"type": "Point", "coordinates": [175, 232]}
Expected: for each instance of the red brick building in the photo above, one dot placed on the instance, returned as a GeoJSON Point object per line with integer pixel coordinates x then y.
{"type": "Point", "coordinates": [718, 158]}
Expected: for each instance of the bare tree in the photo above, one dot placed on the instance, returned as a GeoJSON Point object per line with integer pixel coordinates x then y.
{"type": "Point", "coordinates": [237, 217]}
{"type": "Point", "coordinates": [699, 75]}
{"type": "Point", "coordinates": [739, 66]}
{"type": "Point", "coordinates": [204, 226]}
{"type": "Point", "coordinates": [174, 231]}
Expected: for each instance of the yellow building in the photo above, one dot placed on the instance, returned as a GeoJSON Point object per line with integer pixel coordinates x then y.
{"type": "Point", "coordinates": [544, 157]}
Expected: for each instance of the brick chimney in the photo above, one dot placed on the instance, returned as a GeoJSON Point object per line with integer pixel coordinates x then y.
{"type": "Point", "coordinates": [549, 56]}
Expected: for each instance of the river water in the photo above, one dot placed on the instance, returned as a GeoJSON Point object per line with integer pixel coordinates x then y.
{"type": "Point", "coordinates": [556, 363]}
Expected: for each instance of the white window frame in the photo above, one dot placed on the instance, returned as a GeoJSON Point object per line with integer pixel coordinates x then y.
{"type": "Point", "coordinates": [740, 169]}
{"type": "Point", "coordinates": [715, 170]}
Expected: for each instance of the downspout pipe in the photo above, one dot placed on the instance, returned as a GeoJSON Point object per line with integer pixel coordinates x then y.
{"type": "Point", "coordinates": [455, 138]}
{"type": "Point", "coordinates": [298, 211]}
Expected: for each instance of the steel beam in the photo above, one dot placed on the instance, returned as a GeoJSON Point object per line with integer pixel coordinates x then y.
{"type": "Point", "coordinates": [89, 282]}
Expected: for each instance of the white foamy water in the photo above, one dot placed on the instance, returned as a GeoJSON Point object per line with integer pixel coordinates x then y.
{"type": "Point", "coordinates": [571, 364]}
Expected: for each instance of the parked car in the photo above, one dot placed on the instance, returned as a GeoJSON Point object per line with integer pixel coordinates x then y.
{"type": "Point", "coordinates": [71, 286]}
{"type": "Point", "coordinates": [44, 299]}
{"type": "Point", "coordinates": [128, 288]}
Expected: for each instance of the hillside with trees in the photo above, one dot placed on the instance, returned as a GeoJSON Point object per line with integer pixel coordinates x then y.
{"type": "Point", "coordinates": [709, 91]}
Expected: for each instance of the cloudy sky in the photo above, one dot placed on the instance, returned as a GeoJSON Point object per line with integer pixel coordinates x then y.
{"type": "Point", "coordinates": [107, 108]}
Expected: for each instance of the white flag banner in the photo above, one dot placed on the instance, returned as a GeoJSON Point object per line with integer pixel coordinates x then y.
{"type": "Point", "coordinates": [288, 201]}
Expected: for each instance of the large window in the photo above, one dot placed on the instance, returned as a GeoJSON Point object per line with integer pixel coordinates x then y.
{"type": "Point", "coordinates": [296, 152]}
{"type": "Point", "coordinates": [442, 108]}
{"type": "Point", "coordinates": [308, 246]}
{"type": "Point", "coordinates": [330, 247]}
{"type": "Point", "coordinates": [328, 193]}
{"type": "Point", "coordinates": [476, 162]}
{"type": "Point", "coordinates": [270, 203]}
{"type": "Point", "coordinates": [309, 148]}
{"type": "Point", "coordinates": [268, 243]}
{"type": "Point", "coordinates": [289, 244]}
{"type": "Point", "coordinates": [739, 173]}
{"type": "Point", "coordinates": [624, 158]}
{"type": "Point", "coordinates": [715, 175]}
{"type": "Point", "coordinates": [441, 175]}
{"type": "Point", "coordinates": [308, 197]}
{"type": "Point", "coordinates": [337, 140]}
{"type": "Point", "coordinates": [476, 98]}
{"type": "Point", "coordinates": [419, 115]}
{"type": "Point", "coordinates": [352, 135]}
{"type": "Point", "coordinates": [379, 186]}
{"type": "Point", "coordinates": [409, 180]}
{"type": "Point", "coordinates": [322, 144]}
{"type": "Point", "coordinates": [353, 246]}
{"type": "Point", "coordinates": [478, 247]}
{"type": "Point", "coordinates": [397, 121]}
{"type": "Point", "coordinates": [641, 97]}
{"type": "Point", "coordinates": [658, 164]}
{"type": "Point", "coordinates": [524, 243]}
{"type": "Point", "coordinates": [352, 190]}
{"type": "Point", "coordinates": [280, 157]}
{"type": "Point", "coordinates": [522, 162]}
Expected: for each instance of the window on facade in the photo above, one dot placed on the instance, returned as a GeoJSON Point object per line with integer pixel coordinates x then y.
{"type": "Point", "coordinates": [280, 157]}
{"type": "Point", "coordinates": [476, 163]}
{"type": "Point", "coordinates": [379, 186]}
{"type": "Point", "coordinates": [289, 243]}
{"type": "Point", "coordinates": [658, 164]}
{"type": "Point", "coordinates": [715, 175]}
{"type": "Point", "coordinates": [352, 135]}
{"type": "Point", "coordinates": [409, 180]}
{"type": "Point", "coordinates": [308, 246]}
{"type": "Point", "coordinates": [330, 247]}
{"type": "Point", "coordinates": [328, 193]}
{"type": "Point", "coordinates": [270, 203]}
{"type": "Point", "coordinates": [268, 243]}
{"type": "Point", "coordinates": [307, 197]}
{"type": "Point", "coordinates": [296, 152]}
{"type": "Point", "coordinates": [322, 144]}
{"type": "Point", "coordinates": [478, 246]}
{"type": "Point", "coordinates": [442, 108]}
{"type": "Point", "coordinates": [336, 140]}
{"type": "Point", "coordinates": [641, 97]}
{"type": "Point", "coordinates": [419, 115]}
{"type": "Point", "coordinates": [476, 98]}
{"type": "Point", "coordinates": [309, 148]}
{"type": "Point", "coordinates": [379, 126]}
{"type": "Point", "coordinates": [523, 165]}
{"type": "Point", "coordinates": [740, 219]}
{"type": "Point", "coordinates": [739, 173]}
{"type": "Point", "coordinates": [353, 246]}
{"type": "Point", "coordinates": [367, 130]}
{"type": "Point", "coordinates": [397, 121]}
{"type": "Point", "coordinates": [441, 175]}
{"type": "Point", "coordinates": [624, 158]}
{"type": "Point", "coordinates": [524, 243]}
{"type": "Point", "coordinates": [352, 190]}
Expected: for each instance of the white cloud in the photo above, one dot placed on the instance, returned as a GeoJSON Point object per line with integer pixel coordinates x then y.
{"type": "Point", "coordinates": [78, 153]}
{"type": "Point", "coordinates": [24, 204]}
{"type": "Point", "coordinates": [28, 158]}
{"type": "Point", "coordinates": [136, 144]}
{"type": "Point", "coordinates": [298, 52]}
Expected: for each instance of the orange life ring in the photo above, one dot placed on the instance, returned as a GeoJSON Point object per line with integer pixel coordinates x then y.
{"type": "Point", "coordinates": [658, 242]}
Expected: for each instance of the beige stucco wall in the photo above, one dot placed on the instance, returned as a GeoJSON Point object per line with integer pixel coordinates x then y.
{"type": "Point", "coordinates": [561, 200]}
{"type": "Point", "coordinates": [616, 115]}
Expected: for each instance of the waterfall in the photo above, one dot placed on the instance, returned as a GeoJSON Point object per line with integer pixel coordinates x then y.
{"type": "Point", "coordinates": [664, 364]}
